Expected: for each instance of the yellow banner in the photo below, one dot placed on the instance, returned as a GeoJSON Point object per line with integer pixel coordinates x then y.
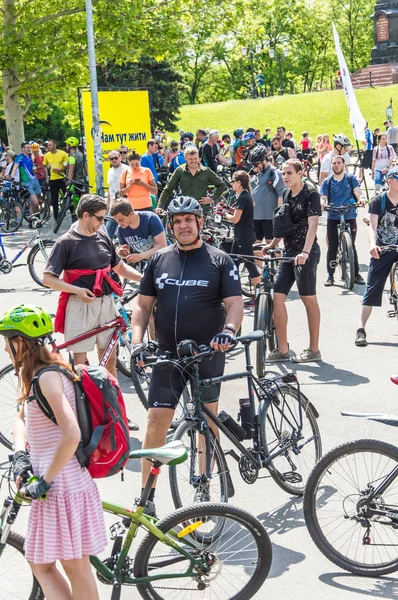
{"type": "Point", "coordinates": [125, 120]}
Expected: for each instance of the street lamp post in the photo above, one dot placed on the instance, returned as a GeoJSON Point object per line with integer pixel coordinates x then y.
{"type": "Point", "coordinates": [279, 57]}
{"type": "Point", "coordinates": [245, 51]}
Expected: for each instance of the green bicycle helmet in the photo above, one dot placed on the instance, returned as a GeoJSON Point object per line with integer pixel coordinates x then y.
{"type": "Point", "coordinates": [27, 321]}
{"type": "Point", "coordinates": [72, 141]}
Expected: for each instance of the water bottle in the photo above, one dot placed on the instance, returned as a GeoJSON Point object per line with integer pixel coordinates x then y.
{"type": "Point", "coordinates": [246, 417]}
{"type": "Point", "coordinates": [232, 425]}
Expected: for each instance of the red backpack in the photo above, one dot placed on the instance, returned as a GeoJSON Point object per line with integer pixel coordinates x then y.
{"type": "Point", "coordinates": [105, 443]}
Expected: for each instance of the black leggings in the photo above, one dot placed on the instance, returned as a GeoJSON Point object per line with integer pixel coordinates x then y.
{"type": "Point", "coordinates": [334, 242]}
{"type": "Point", "coordinates": [245, 248]}
{"type": "Point", "coordinates": [55, 186]}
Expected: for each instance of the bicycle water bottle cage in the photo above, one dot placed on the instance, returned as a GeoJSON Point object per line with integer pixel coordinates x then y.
{"type": "Point", "coordinates": [187, 348]}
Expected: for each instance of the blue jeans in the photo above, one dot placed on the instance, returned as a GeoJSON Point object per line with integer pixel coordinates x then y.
{"type": "Point", "coordinates": [111, 227]}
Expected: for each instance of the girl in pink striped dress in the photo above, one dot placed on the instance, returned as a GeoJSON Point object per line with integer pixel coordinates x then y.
{"type": "Point", "coordinates": [68, 526]}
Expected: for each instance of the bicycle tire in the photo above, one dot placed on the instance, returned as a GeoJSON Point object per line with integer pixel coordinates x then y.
{"type": "Point", "coordinates": [23, 582]}
{"type": "Point", "coordinates": [281, 417]}
{"type": "Point", "coordinates": [44, 209]}
{"type": "Point", "coordinates": [9, 393]}
{"type": "Point", "coordinates": [313, 173]}
{"type": "Point", "coordinates": [37, 260]}
{"type": "Point", "coordinates": [333, 493]}
{"type": "Point", "coordinates": [11, 216]}
{"type": "Point", "coordinates": [182, 488]}
{"type": "Point", "coordinates": [245, 281]}
{"type": "Point", "coordinates": [242, 530]}
{"type": "Point", "coordinates": [261, 322]}
{"type": "Point", "coordinates": [66, 202]}
{"type": "Point", "coordinates": [394, 288]}
{"type": "Point", "coordinates": [347, 260]}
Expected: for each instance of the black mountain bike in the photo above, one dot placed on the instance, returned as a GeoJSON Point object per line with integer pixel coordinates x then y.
{"type": "Point", "coordinates": [345, 253]}
{"type": "Point", "coordinates": [393, 292]}
{"type": "Point", "coordinates": [280, 434]}
{"type": "Point", "coordinates": [69, 200]}
{"type": "Point", "coordinates": [351, 503]}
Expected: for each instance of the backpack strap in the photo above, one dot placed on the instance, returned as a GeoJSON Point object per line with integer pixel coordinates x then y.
{"type": "Point", "coordinates": [38, 395]}
{"type": "Point", "coordinates": [383, 204]}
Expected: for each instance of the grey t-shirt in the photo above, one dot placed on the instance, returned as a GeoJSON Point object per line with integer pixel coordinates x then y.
{"type": "Point", "coordinates": [392, 132]}
{"type": "Point", "coordinates": [266, 188]}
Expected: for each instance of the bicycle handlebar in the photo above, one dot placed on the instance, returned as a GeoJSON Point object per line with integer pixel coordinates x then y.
{"type": "Point", "coordinates": [340, 208]}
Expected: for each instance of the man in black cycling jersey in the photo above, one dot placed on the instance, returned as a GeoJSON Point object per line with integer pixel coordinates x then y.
{"type": "Point", "coordinates": [198, 295]}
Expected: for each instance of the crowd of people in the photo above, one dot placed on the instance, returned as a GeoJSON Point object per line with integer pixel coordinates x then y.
{"type": "Point", "coordinates": [194, 286]}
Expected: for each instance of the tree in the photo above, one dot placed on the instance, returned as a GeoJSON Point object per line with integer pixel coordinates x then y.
{"type": "Point", "coordinates": [159, 77]}
{"type": "Point", "coordinates": [43, 47]}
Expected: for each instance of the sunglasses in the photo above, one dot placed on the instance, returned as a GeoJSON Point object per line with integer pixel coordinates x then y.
{"type": "Point", "coordinates": [99, 219]}
{"type": "Point", "coordinates": [122, 152]}
{"type": "Point", "coordinates": [113, 158]}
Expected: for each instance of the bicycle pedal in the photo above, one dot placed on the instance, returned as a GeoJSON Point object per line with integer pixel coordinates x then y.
{"type": "Point", "coordinates": [292, 477]}
{"type": "Point", "coordinates": [391, 314]}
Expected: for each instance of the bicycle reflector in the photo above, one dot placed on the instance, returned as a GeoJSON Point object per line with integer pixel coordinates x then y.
{"type": "Point", "coordinates": [189, 529]}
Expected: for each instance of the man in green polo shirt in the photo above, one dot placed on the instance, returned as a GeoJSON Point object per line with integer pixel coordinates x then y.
{"type": "Point", "coordinates": [194, 180]}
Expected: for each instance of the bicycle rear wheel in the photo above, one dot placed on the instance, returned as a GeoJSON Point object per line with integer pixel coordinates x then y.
{"type": "Point", "coordinates": [9, 393]}
{"type": "Point", "coordinates": [335, 507]}
{"type": "Point", "coordinates": [245, 281]}
{"type": "Point", "coordinates": [235, 563]}
{"type": "Point", "coordinates": [11, 215]}
{"type": "Point", "coordinates": [280, 426]}
{"type": "Point", "coordinates": [66, 202]}
{"type": "Point", "coordinates": [347, 260]}
{"type": "Point", "coordinates": [37, 259]}
{"type": "Point", "coordinates": [188, 481]}
{"type": "Point", "coordinates": [17, 579]}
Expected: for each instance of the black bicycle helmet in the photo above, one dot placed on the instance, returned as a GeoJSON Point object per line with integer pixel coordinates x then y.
{"type": "Point", "coordinates": [183, 205]}
{"type": "Point", "coordinates": [258, 154]}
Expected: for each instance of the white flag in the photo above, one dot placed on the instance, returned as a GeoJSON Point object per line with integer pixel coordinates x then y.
{"type": "Point", "coordinates": [356, 118]}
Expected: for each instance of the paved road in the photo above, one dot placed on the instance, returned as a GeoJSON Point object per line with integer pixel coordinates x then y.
{"type": "Point", "coordinates": [348, 378]}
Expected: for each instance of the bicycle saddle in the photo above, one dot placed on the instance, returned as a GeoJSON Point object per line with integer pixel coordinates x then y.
{"type": "Point", "coordinates": [385, 419]}
{"type": "Point", "coordinates": [254, 336]}
{"type": "Point", "coordinates": [170, 454]}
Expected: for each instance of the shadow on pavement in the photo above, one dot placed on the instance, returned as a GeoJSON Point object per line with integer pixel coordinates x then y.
{"type": "Point", "coordinates": [382, 587]}
{"type": "Point", "coordinates": [277, 522]}
{"type": "Point", "coordinates": [326, 373]}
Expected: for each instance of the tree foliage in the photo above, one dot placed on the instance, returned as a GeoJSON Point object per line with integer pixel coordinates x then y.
{"type": "Point", "coordinates": [159, 77]}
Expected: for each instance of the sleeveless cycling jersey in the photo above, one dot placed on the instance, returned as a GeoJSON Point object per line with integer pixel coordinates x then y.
{"type": "Point", "coordinates": [190, 288]}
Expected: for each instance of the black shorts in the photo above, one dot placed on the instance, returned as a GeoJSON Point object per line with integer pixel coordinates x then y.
{"type": "Point", "coordinates": [367, 159]}
{"type": "Point", "coordinates": [379, 268]}
{"type": "Point", "coordinates": [245, 248]}
{"type": "Point", "coordinates": [167, 383]}
{"type": "Point", "coordinates": [264, 229]}
{"type": "Point", "coordinates": [303, 275]}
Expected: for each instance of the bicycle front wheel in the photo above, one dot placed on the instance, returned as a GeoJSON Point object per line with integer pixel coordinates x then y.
{"type": "Point", "coordinates": [336, 507]}
{"type": "Point", "coordinates": [37, 260]}
{"type": "Point", "coordinates": [9, 393]}
{"type": "Point", "coordinates": [234, 565]}
{"type": "Point", "coordinates": [17, 579]}
{"type": "Point", "coordinates": [62, 211]}
{"type": "Point", "coordinates": [347, 260]}
{"type": "Point", "coordinates": [188, 480]}
{"type": "Point", "coordinates": [280, 427]}
{"type": "Point", "coordinates": [11, 215]}
{"type": "Point", "coordinates": [394, 288]}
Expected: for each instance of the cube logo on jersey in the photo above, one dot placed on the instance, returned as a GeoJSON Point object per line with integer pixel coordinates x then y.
{"type": "Point", "coordinates": [234, 273]}
{"type": "Point", "coordinates": [165, 280]}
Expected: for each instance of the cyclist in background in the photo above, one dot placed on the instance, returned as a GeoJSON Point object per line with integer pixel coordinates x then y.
{"type": "Point", "coordinates": [73, 498]}
{"type": "Point", "coordinates": [238, 146]}
{"type": "Point", "coordinates": [341, 148]}
{"type": "Point", "coordinates": [340, 189]}
{"type": "Point", "coordinates": [24, 164]}
{"type": "Point", "coordinates": [206, 306]}
{"type": "Point", "coordinates": [280, 153]}
{"type": "Point", "coordinates": [39, 170]}
{"type": "Point", "coordinates": [57, 161]}
{"type": "Point", "coordinates": [383, 231]}
{"type": "Point", "coordinates": [383, 156]}
{"type": "Point", "coordinates": [76, 170]}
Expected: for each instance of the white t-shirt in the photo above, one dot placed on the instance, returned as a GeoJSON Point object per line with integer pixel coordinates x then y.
{"type": "Point", "coordinates": [326, 165]}
{"type": "Point", "coordinates": [114, 180]}
{"type": "Point", "coordinates": [8, 171]}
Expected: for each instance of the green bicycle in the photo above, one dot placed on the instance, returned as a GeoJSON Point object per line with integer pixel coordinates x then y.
{"type": "Point", "coordinates": [203, 551]}
{"type": "Point", "coordinates": [68, 200]}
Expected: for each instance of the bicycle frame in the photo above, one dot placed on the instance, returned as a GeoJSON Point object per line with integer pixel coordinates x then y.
{"type": "Point", "coordinates": [26, 246]}
{"type": "Point", "coordinates": [202, 413]}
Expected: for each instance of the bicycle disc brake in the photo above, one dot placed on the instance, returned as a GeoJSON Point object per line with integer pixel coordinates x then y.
{"type": "Point", "coordinates": [5, 266]}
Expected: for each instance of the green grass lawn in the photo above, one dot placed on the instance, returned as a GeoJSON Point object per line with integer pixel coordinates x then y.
{"type": "Point", "coordinates": [319, 112]}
